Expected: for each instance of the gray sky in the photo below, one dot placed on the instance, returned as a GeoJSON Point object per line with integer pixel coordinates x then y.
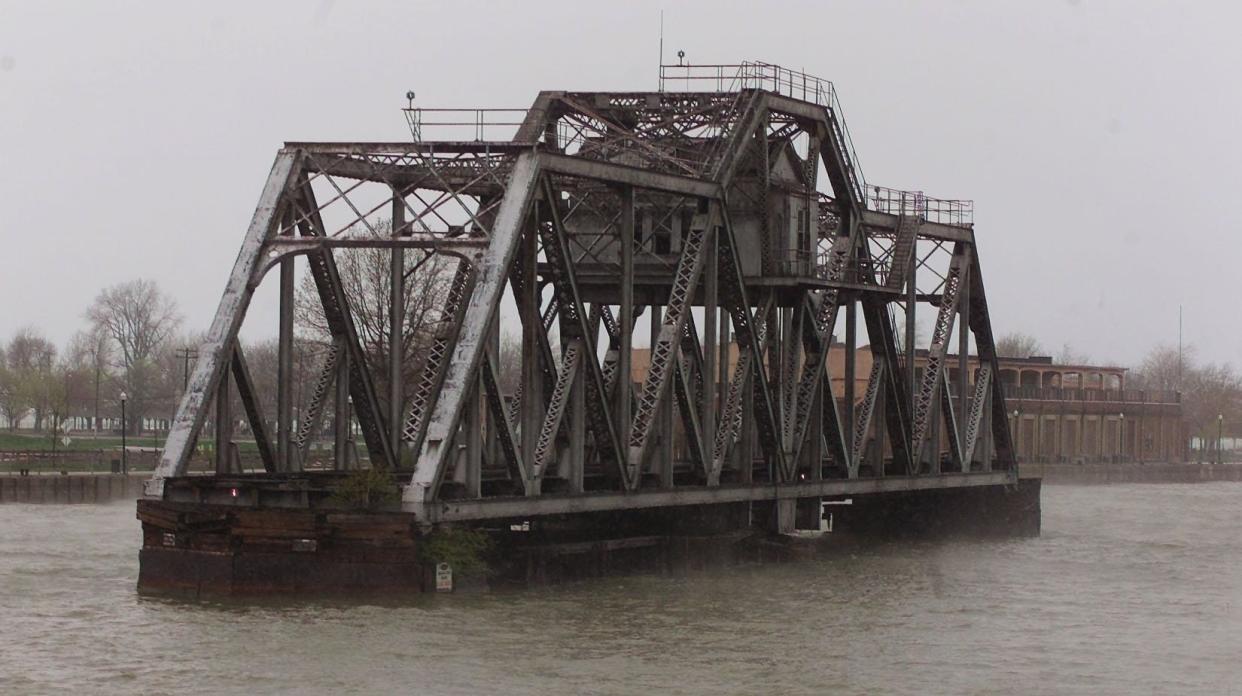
{"type": "Point", "coordinates": [1097, 138]}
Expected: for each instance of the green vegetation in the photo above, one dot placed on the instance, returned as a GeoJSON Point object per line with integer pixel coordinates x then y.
{"type": "Point", "coordinates": [466, 550]}
{"type": "Point", "coordinates": [367, 489]}
{"type": "Point", "coordinates": [84, 442]}
{"type": "Point", "coordinates": [77, 442]}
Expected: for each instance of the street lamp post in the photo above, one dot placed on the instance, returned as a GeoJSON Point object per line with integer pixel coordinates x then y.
{"type": "Point", "coordinates": [1220, 431]}
{"type": "Point", "coordinates": [1017, 433]}
{"type": "Point", "coordinates": [124, 451]}
{"type": "Point", "coordinates": [1121, 437]}
{"type": "Point", "coordinates": [349, 441]}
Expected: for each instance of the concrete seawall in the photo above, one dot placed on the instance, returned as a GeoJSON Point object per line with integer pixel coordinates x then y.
{"type": "Point", "coordinates": [1131, 473]}
{"type": "Point", "coordinates": [71, 488]}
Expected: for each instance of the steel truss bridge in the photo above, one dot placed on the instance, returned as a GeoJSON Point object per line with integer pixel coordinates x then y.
{"type": "Point", "coordinates": [725, 215]}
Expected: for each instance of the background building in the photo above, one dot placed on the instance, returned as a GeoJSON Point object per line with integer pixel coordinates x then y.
{"type": "Point", "coordinates": [1057, 413]}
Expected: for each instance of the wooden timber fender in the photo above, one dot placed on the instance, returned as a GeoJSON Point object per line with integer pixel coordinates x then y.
{"type": "Point", "coordinates": [213, 549]}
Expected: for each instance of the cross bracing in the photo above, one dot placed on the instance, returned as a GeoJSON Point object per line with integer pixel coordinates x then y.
{"type": "Point", "coordinates": [679, 269]}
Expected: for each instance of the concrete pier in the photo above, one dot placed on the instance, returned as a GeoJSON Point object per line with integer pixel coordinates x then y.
{"type": "Point", "coordinates": [204, 549]}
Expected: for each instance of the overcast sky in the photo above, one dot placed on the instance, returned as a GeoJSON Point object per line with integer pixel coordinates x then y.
{"type": "Point", "coordinates": [1098, 139]}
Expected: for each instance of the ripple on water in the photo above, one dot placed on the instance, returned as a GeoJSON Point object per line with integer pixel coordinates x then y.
{"type": "Point", "coordinates": [1131, 589]}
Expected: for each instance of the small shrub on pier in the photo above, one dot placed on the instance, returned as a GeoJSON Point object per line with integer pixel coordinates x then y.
{"type": "Point", "coordinates": [367, 489]}
{"type": "Point", "coordinates": [466, 550]}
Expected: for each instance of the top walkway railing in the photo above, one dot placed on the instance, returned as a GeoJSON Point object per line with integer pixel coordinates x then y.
{"type": "Point", "coordinates": [464, 124]}
{"type": "Point", "coordinates": [772, 78]}
{"type": "Point", "coordinates": [940, 210]}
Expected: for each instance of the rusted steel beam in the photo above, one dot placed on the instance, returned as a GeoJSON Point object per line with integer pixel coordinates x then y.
{"type": "Point", "coordinates": [254, 413]}
{"type": "Point", "coordinates": [573, 415]}
{"type": "Point", "coordinates": [981, 326]}
{"type": "Point", "coordinates": [933, 378]}
{"type": "Point", "coordinates": [216, 352]}
{"type": "Point", "coordinates": [733, 297]}
{"type": "Point", "coordinates": [406, 147]}
{"type": "Point", "coordinates": [665, 346]}
{"type": "Point", "coordinates": [524, 508]}
{"type": "Point", "coordinates": [492, 269]}
{"type": "Point", "coordinates": [575, 325]}
{"type": "Point", "coordinates": [623, 174]}
{"type": "Point", "coordinates": [340, 321]}
{"type": "Point", "coordinates": [312, 412]}
{"type": "Point", "coordinates": [431, 379]}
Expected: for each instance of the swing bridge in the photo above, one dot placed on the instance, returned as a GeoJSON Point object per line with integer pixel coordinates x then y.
{"type": "Point", "coordinates": [680, 265]}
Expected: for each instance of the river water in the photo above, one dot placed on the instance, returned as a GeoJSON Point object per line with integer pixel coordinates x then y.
{"type": "Point", "coordinates": [1132, 589]}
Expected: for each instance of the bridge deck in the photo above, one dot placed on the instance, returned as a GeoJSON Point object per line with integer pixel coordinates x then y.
{"type": "Point", "coordinates": [314, 490]}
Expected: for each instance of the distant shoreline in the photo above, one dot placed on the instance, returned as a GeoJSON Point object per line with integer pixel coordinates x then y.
{"type": "Point", "coordinates": [1156, 472]}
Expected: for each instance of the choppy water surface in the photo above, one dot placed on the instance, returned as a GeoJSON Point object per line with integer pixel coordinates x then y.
{"type": "Point", "coordinates": [1131, 589]}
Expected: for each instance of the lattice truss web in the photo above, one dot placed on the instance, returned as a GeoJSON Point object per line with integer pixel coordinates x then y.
{"type": "Point", "coordinates": [636, 291]}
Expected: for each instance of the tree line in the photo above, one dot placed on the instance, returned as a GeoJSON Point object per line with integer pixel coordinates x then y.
{"type": "Point", "coordinates": [123, 349]}
{"type": "Point", "coordinates": [133, 345]}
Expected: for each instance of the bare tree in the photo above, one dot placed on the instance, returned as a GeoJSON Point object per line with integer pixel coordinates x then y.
{"type": "Point", "coordinates": [31, 362]}
{"type": "Point", "coordinates": [509, 362]}
{"type": "Point", "coordinates": [9, 401]}
{"type": "Point", "coordinates": [1068, 355]}
{"type": "Point", "coordinates": [1018, 345]}
{"type": "Point", "coordinates": [140, 318]}
{"type": "Point", "coordinates": [1211, 394]}
{"type": "Point", "coordinates": [365, 275]}
{"type": "Point", "coordinates": [1162, 369]}
{"type": "Point", "coordinates": [91, 350]}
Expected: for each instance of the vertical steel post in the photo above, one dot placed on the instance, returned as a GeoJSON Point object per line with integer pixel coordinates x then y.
{"type": "Point", "coordinates": [341, 425]}
{"type": "Point", "coordinates": [625, 379]}
{"type": "Point", "coordinates": [577, 431]}
{"type": "Point", "coordinates": [776, 376]}
{"type": "Point", "coordinates": [912, 301]}
{"type": "Point", "coordinates": [963, 368]}
{"type": "Point", "coordinates": [663, 465]}
{"type": "Point", "coordinates": [531, 414]}
{"type": "Point", "coordinates": [396, 322]}
{"type": "Point", "coordinates": [746, 448]}
{"type": "Point", "coordinates": [881, 423]}
{"type": "Point", "coordinates": [284, 370]}
{"type": "Point", "coordinates": [724, 348]}
{"type": "Point", "coordinates": [224, 423]}
{"type": "Point", "coordinates": [491, 424]}
{"type": "Point", "coordinates": [474, 441]}
{"type": "Point", "coordinates": [711, 313]}
{"type": "Point", "coordinates": [851, 365]}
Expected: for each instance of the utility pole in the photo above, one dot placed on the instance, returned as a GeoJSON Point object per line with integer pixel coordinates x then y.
{"type": "Point", "coordinates": [1179, 349]}
{"type": "Point", "coordinates": [185, 354]}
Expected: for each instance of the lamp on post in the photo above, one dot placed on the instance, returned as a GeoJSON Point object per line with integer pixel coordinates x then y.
{"type": "Point", "coordinates": [1017, 433]}
{"type": "Point", "coordinates": [349, 441]}
{"type": "Point", "coordinates": [1220, 431]}
{"type": "Point", "coordinates": [1121, 433]}
{"type": "Point", "coordinates": [124, 455]}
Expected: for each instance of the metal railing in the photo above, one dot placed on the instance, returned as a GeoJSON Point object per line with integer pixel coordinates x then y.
{"type": "Point", "coordinates": [753, 74]}
{"type": "Point", "coordinates": [938, 210]}
{"type": "Point", "coordinates": [464, 124]}
{"type": "Point", "coordinates": [1126, 396]}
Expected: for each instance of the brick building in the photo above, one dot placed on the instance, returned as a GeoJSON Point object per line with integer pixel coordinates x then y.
{"type": "Point", "coordinates": [1057, 413]}
{"type": "Point", "coordinates": [1067, 413]}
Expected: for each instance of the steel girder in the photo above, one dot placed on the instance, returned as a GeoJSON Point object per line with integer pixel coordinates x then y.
{"type": "Point", "coordinates": [586, 187]}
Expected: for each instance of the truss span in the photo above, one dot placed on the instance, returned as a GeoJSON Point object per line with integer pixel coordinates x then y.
{"type": "Point", "coordinates": [732, 215]}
